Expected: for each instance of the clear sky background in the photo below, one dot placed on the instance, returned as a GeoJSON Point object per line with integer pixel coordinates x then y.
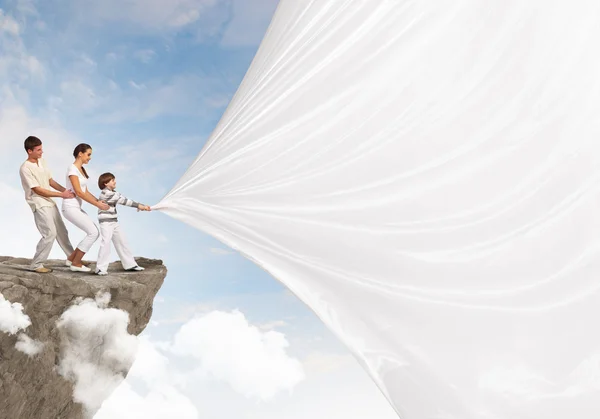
{"type": "Point", "coordinates": [144, 82]}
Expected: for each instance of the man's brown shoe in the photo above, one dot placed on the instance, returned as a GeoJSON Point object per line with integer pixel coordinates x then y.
{"type": "Point", "coordinates": [42, 270]}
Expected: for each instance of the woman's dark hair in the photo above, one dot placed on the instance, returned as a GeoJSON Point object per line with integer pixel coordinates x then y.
{"type": "Point", "coordinates": [32, 142]}
{"type": "Point", "coordinates": [82, 148]}
{"type": "Point", "coordinates": [104, 179]}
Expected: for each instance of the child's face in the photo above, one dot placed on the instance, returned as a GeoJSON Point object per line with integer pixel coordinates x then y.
{"type": "Point", "coordinates": [112, 184]}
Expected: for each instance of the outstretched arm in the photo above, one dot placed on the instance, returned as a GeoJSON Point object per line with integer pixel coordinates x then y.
{"type": "Point", "coordinates": [117, 198]}
{"type": "Point", "coordinates": [123, 200]}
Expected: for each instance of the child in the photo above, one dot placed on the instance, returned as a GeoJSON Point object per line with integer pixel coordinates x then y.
{"type": "Point", "coordinates": [109, 226]}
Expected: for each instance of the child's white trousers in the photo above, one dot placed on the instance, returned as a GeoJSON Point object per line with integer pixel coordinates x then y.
{"type": "Point", "coordinates": [110, 231]}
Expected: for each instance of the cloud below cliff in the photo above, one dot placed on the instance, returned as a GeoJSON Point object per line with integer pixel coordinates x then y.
{"type": "Point", "coordinates": [228, 348]}
{"type": "Point", "coordinates": [218, 347]}
{"type": "Point", "coordinates": [12, 318]}
{"type": "Point", "coordinates": [97, 351]}
{"type": "Point", "coordinates": [221, 348]}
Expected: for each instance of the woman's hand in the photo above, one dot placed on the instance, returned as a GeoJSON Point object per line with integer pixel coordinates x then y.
{"type": "Point", "coordinates": [102, 205]}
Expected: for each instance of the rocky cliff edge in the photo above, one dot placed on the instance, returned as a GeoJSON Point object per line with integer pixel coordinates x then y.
{"type": "Point", "coordinates": [74, 342]}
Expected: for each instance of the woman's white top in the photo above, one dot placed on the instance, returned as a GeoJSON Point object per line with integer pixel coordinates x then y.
{"type": "Point", "coordinates": [77, 201]}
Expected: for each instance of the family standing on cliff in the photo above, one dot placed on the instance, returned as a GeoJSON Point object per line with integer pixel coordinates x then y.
{"type": "Point", "coordinates": [40, 187]}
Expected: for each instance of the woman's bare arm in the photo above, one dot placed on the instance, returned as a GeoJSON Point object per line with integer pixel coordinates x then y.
{"type": "Point", "coordinates": [86, 196]}
{"type": "Point", "coordinates": [101, 204]}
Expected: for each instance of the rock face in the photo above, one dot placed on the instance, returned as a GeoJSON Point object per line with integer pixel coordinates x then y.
{"type": "Point", "coordinates": [30, 387]}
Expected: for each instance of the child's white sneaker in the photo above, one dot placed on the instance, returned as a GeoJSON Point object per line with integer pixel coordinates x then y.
{"type": "Point", "coordinates": [136, 268]}
{"type": "Point", "coordinates": [101, 273]}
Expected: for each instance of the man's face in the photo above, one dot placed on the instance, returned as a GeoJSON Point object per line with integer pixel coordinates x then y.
{"type": "Point", "coordinates": [36, 153]}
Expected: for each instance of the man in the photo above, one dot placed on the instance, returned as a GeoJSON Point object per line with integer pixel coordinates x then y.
{"type": "Point", "coordinates": [37, 181]}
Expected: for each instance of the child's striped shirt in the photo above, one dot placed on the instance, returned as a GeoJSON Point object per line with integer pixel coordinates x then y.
{"type": "Point", "coordinates": [112, 198]}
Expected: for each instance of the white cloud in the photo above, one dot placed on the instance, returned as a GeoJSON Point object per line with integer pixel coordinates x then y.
{"type": "Point", "coordinates": [164, 382]}
{"type": "Point", "coordinates": [220, 251]}
{"type": "Point", "coordinates": [8, 24]}
{"type": "Point", "coordinates": [182, 313]}
{"type": "Point", "coordinates": [84, 90]}
{"type": "Point", "coordinates": [249, 22]}
{"type": "Point", "coordinates": [184, 18]}
{"type": "Point", "coordinates": [27, 7]}
{"type": "Point", "coordinates": [163, 403]}
{"type": "Point", "coordinates": [136, 86]}
{"type": "Point", "coordinates": [272, 325]}
{"type": "Point", "coordinates": [86, 62]}
{"type": "Point", "coordinates": [12, 320]}
{"type": "Point", "coordinates": [150, 15]}
{"type": "Point", "coordinates": [12, 317]}
{"type": "Point", "coordinates": [160, 396]}
{"type": "Point", "coordinates": [344, 392]}
{"type": "Point", "coordinates": [96, 349]}
{"type": "Point", "coordinates": [252, 362]}
{"type": "Point", "coordinates": [33, 66]}
{"type": "Point", "coordinates": [78, 93]}
{"type": "Point", "coordinates": [145, 55]}
{"type": "Point", "coordinates": [28, 346]}
{"type": "Point", "coordinates": [150, 366]}
{"type": "Point", "coordinates": [215, 348]}
{"type": "Point", "coordinates": [218, 101]}
{"type": "Point", "coordinates": [18, 69]}
{"type": "Point", "coordinates": [101, 101]}
{"type": "Point", "coordinates": [17, 65]}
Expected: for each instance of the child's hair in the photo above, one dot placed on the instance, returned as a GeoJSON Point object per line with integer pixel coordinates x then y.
{"type": "Point", "coordinates": [104, 179]}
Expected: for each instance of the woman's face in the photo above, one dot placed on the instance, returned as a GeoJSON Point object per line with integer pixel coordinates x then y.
{"type": "Point", "coordinates": [86, 157]}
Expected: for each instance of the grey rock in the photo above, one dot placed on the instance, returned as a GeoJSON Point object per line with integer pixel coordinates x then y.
{"type": "Point", "coordinates": [30, 387]}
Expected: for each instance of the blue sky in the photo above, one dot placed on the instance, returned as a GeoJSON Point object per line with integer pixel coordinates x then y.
{"type": "Point", "coordinates": [144, 82]}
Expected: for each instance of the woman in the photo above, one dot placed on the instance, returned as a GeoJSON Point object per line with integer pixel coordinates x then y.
{"type": "Point", "coordinates": [76, 181]}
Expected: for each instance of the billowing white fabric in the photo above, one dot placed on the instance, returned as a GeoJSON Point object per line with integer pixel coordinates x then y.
{"type": "Point", "coordinates": [425, 176]}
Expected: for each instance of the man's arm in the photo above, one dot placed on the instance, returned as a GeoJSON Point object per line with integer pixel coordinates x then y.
{"type": "Point", "coordinates": [65, 194]}
{"type": "Point", "coordinates": [30, 181]}
{"type": "Point", "coordinates": [56, 185]}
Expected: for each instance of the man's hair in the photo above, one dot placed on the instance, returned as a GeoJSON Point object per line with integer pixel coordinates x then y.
{"type": "Point", "coordinates": [32, 142]}
{"type": "Point", "coordinates": [104, 179]}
